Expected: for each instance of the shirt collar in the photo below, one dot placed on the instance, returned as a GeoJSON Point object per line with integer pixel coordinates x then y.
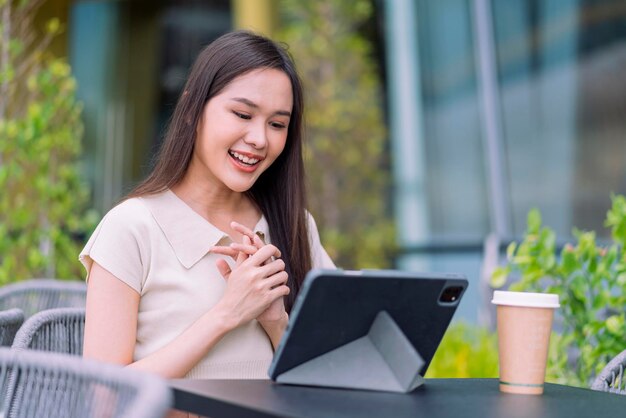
{"type": "Point", "coordinates": [189, 234]}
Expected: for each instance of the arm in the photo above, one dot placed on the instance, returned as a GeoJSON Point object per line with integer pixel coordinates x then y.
{"type": "Point", "coordinates": [111, 317]}
{"type": "Point", "coordinates": [111, 328]}
{"type": "Point", "coordinates": [275, 329]}
{"type": "Point", "coordinates": [319, 256]}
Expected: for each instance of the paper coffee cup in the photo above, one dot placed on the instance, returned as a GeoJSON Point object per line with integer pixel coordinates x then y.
{"type": "Point", "coordinates": [524, 327]}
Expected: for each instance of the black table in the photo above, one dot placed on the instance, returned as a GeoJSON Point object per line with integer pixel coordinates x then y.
{"type": "Point", "coordinates": [454, 398]}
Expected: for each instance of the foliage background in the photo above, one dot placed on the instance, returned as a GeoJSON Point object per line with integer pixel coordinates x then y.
{"type": "Point", "coordinates": [43, 204]}
{"type": "Point", "coordinates": [466, 351]}
{"type": "Point", "coordinates": [347, 161]}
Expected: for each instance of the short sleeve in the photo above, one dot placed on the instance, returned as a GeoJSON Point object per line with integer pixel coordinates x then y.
{"type": "Point", "coordinates": [319, 256]}
{"type": "Point", "coordinates": [120, 244]}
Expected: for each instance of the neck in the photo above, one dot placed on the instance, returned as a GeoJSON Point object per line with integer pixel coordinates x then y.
{"type": "Point", "coordinates": [208, 200]}
{"type": "Point", "coordinates": [219, 205]}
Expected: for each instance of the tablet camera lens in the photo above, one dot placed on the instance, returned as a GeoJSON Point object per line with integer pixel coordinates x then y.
{"type": "Point", "coordinates": [451, 294]}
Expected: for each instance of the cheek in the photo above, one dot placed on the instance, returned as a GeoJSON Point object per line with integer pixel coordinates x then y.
{"type": "Point", "coordinates": [215, 141]}
{"type": "Point", "coordinates": [281, 140]}
{"type": "Point", "coordinates": [278, 146]}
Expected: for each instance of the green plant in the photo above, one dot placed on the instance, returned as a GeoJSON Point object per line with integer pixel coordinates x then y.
{"type": "Point", "coordinates": [43, 204]}
{"type": "Point", "coordinates": [465, 351]}
{"type": "Point", "coordinates": [590, 280]}
{"type": "Point", "coordinates": [346, 157]}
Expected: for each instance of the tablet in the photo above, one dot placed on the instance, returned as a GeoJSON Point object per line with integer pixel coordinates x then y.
{"type": "Point", "coordinates": [366, 329]}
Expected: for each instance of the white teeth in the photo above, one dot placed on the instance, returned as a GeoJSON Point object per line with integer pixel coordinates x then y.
{"type": "Point", "coordinates": [244, 159]}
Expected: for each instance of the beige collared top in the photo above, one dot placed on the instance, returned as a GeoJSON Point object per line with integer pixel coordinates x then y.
{"type": "Point", "coordinates": [159, 246]}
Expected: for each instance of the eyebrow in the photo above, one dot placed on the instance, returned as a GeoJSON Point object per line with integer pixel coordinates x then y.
{"type": "Point", "coordinates": [253, 105]}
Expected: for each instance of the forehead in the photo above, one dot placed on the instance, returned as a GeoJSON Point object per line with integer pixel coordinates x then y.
{"type": "Point", "coordinates": [269, 88]}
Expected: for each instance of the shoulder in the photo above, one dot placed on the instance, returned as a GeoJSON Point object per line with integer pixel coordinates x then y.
{"type": "Point", "coordinates": [313, 232]}
{"type": "Point", "coordinates": [129, 210]}
{"type": "Point", "coordinates": [121, 243]}
{"type": "Point", "coordinates": [319, 256]}
{"type": "Point", "coordinates": [310, 220]}
{"type": "Point", "coordinates": [128, 222]}
{"type": "Point", "coordinates": [131, 215]}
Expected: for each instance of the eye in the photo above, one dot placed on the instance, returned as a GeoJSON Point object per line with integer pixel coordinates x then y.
{"type": "Point", "coordinates": [242, 115]}
{"type": "Point", "coordinates": [278, 125]}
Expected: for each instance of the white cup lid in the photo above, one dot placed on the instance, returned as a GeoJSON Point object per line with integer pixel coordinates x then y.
{"type": "Point", "coordinates": [527, 299]}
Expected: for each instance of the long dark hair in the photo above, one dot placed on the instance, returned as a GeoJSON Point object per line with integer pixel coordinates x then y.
{"type": "Point", "coordinates": [280, 191]}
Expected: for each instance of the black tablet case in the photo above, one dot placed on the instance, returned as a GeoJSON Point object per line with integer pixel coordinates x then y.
{"type": "Point", "coordinates": [374, 330]}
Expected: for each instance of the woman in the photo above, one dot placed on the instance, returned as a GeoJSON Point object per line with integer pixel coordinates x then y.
{"type": "Point", "coordinates": [194, 273]}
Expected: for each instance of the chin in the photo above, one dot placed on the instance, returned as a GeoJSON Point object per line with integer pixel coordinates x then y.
{"type": "Point", "coordinates": [240, 184]}
{"type": "Point", "coordinates": [240, 188]}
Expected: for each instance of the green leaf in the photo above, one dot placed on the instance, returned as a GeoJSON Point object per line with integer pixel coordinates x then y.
{"type": "Point", "coordinates": [53, 26]}
{"type": "Point", "coordinates": [510, 250]}
{"type": "Point", "coordinates": [569, 263]}
{"type": "Point", "coordinates": [615, 324]}
{"type": "Point", "coordinates": [534, 221]}
{"type": "Point", "coordinates": [616, 219]}
{"type": "Point", "coordinates": [499, 276]}
{"type": "Point", "coordinates": [522, 259]}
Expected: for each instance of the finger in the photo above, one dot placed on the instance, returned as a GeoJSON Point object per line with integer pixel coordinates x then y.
{"type": "Point", "coordinates": [248, 249]}
{"type": "Point", "coordinates": [247, 232]}
{"type": "Point", "coordinates": [227, 251]}
{"type": "Point", "coordinates": [242, 256]}
{"type": "Point", "coordinates": [223, 268]}
{"type": "Point", "coordinates": [263, 254]}
{"type": "Point", "coordinates": [276, 280]}
{"type": "Point", "coordinates": [278, 292]}
{"type": "Point", "coordinates": [272, 268]}
{"type": "Point", "coordinates": [244, 230]}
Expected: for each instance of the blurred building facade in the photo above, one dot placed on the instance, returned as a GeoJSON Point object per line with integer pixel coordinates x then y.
{"type": "Point", "coordinates": [494, 107]}
{"type": "Point", "coordinates": [498, 106]}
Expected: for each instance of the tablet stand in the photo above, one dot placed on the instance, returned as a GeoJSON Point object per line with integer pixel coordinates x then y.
{"type": "Point", "coordinates": [384, 359]}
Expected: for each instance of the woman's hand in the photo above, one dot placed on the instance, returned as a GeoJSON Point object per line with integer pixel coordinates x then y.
{"type": "Point", "coordinates": [255, 282]}
{"type": "Point", "coordinates": [233, 250]}
{"type": "Point", "coordinates": [275, 316]}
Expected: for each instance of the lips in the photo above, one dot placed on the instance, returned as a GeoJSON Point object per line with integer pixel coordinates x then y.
{"type": "Point", "coordinates": [245, 161]}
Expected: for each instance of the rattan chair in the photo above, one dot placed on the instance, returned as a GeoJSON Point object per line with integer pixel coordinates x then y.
{"type": "Point", "coordinates": [10, 322]}
{"type": "Point", "coordinates": [611, 378]}
{"type": "Point", "coordinates": [58, 330]}
{"type": "Point", "coordinates": [35, 295]}
{"type": "Point", "coordinates": [37, 384]}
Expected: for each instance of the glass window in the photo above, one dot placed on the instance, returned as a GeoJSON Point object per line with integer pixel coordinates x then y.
{"type": "Point", "coordinates": [559, 100]}
{"type": "Point", "coordinates": [455, 176]}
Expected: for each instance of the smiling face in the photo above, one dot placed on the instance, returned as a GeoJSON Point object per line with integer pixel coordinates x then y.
{"type": "Point", "coordinates": [242, 130]}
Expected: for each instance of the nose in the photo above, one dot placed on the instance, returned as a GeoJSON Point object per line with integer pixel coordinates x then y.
{"type": "Point", "coordinates": [257, 136]}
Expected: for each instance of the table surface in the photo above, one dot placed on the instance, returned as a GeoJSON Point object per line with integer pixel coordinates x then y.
{"type": "Point", "coordinates": [458, 398]}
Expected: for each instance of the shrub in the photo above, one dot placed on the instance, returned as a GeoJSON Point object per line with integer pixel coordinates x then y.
{"type": "Point", "coordinates": [590, 280]}
{"type": "Point", "coordinates": [43, 204]}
